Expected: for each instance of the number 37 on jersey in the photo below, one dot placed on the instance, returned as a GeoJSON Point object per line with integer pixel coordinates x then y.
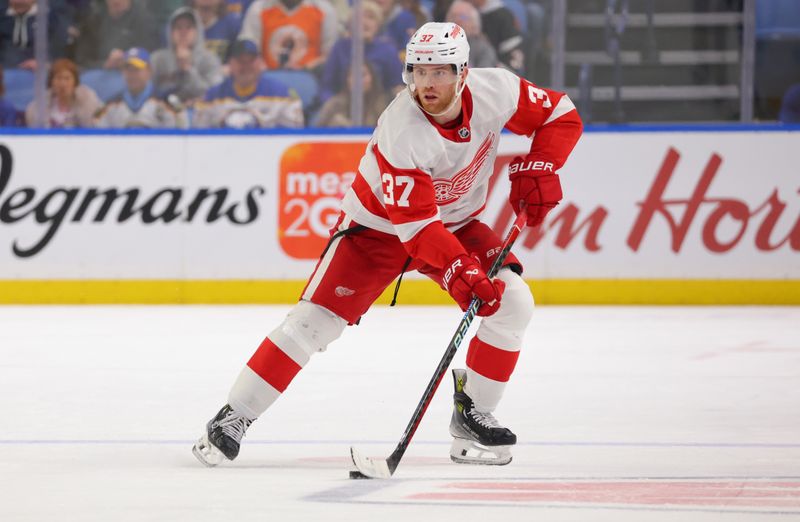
{"type": "Point", "coordinates": [397, 189]}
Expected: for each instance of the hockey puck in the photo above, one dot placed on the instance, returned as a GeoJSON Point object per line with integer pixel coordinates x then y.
{"type": "Point", "coordinates": [355, 474]}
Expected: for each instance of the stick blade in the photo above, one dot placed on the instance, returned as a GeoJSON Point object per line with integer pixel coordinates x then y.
{"type": "Point", "coordinates": [369, 468]}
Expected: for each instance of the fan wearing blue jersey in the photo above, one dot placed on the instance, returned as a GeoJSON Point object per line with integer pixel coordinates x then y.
{"type": "Point", "coordinates": [247, 99]}
{"type": "Point", "coordinates": [238, 7]}
{"type": "Point", "coordinates": [137, 106]}
{"type": "Point", "coordinates": [220, 27]}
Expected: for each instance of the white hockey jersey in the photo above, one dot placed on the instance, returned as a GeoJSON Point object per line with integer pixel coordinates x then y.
{"type": "Point", "coordinates": [415, 172]}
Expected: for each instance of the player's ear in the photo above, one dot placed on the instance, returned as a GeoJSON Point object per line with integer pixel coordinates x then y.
{"type": "Point", "coordinates": [464, 73]}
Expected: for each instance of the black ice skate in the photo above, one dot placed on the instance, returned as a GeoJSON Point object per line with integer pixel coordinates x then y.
{"type": "Point", "coordinates": [477, 437]}
{"type": "Point", "coordinates": [222, 437]}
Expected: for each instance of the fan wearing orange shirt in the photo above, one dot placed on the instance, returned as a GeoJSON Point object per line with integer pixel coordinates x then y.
{"type": "Point", "coordinates": [292, 34]}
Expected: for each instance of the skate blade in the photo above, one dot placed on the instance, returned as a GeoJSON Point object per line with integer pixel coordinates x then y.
{"type": "Point", "coordinates": [207, 453]}
{"type": "Point", "coordinates": [464, 451]}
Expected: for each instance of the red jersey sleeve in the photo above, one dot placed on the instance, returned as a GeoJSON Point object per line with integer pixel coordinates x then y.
{"type": "Point", "coordinates": [551, 118]}
{"type": "Point", "coordinates": [408, 197]}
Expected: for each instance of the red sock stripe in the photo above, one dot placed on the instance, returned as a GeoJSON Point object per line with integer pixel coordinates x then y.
{"type": "Point", "coordinates": [493, 363]}
{"type": "Point", "coordinates": [273, 365]}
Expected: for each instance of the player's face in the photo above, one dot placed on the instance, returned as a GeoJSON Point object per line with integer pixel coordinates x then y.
{"type": "Point", "coordinates": [435, 86]}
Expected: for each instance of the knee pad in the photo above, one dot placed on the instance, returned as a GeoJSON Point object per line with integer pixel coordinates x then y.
{"type": "Point", "coordinates": [506, 327]}
{"type": "Point", "coordinates": [307, 329]}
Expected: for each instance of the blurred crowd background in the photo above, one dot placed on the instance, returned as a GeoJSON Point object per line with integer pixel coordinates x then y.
{"type": "Point", "coordinates": [338, 63]}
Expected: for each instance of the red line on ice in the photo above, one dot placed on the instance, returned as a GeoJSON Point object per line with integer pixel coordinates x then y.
{"type": "Point", "coordinates": [735, 493]}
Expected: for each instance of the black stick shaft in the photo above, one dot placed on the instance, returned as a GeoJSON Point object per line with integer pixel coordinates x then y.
{"type": "Point", "coordinates": [394, 459]}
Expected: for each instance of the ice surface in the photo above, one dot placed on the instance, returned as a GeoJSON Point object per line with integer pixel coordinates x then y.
{"type": "Point", "coordinates": [623, 414]}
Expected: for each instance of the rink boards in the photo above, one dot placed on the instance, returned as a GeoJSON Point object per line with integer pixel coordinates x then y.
{"type": "Point", "coordinates": [648, 217]}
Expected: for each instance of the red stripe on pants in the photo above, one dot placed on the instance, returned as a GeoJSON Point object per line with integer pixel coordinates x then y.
{"type": "Point", "coordinates": [493, 363]}
{"type": "Point", "coordinates": [273, 365]}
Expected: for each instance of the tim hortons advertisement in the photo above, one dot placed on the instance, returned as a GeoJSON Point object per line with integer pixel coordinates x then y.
{"type": "Point", "coordinates": [688, 205]}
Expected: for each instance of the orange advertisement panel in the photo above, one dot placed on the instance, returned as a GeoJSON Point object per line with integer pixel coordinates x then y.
{"type": "Point", "coordinates": [313, 178]}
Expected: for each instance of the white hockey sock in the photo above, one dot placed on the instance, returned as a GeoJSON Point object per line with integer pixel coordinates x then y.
{"type": "Point", "coordinates": [484, 392]}
{"type": "Point", "coordinates": [307, 329]}
{"type": "Point", "coordinates": [251, 395]}
{"type": "Point", "coordinates": [494, 350]}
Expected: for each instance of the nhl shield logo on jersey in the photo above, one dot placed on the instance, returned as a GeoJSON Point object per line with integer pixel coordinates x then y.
{"type": "Point", "coordinates": [463, 133]}
{"type": "Point", "coordinates": [449, 190]}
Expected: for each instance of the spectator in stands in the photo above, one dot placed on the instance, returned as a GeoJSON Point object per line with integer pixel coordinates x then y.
{"type": "Point", "coordinates": [440, 8]}
{"type": "Point", "coordinates": [342, 8]}
{"type": "Point", "coordinates": [481, 52]}
{"type": "Point", "coordinates": [9, 115]}
{"type": "Point", "coordinates": [112, 28]}
{"type": "Point", "coordinates": [502, 30]}
{"type": "Point", "coordinates": [292, 34]}
{"type": "Point", "coordinates": [68, 104]}
{"type": "Point", "coordinates": [17, 34]}
{"type": "Point", "coordinates": [533, 42]}
{"type": "Point", "coordinates": [420, 12]}
{"type": "Point", "coordinates": [138, 106]}
{"type": "Point", "coordinates": [161, 10]}
{"type": "Point", "coordinates": [336, 111]}
{"type": "Point", "coordinates": [78, 6]}
{"type": "Point", "coordinates": [790, 106]}
{"type": "Point", "coordinates": [536, 38]}
{"type": "Point", "coordinates": [247, 99]}
{"type": "Point", "coordinates": [75, 11]}
{"type": "Point", "coordinates": [379, 52]}
{"type": "Point", "coordinates": [185, 68]}
{"type": "Point", "coordinates": [238, 7]}
{"type": "Point", "coordinates": [401, 19]}
{"type": "Point", "coordinates": [220, 28]}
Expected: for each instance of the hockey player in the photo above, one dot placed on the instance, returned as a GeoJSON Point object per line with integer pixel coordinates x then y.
{"type": "Point", "coordinates": [414, 205]}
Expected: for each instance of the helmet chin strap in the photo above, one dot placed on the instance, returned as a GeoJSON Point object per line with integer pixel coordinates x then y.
{"type": "Point", "coordinates": [459, 89]}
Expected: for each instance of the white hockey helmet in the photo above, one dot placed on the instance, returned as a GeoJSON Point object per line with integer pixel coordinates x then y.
{"type": "Point", "coordinates": [437, 43]}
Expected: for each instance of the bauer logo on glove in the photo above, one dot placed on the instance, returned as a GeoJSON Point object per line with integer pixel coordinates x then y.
{"type": "Point", "coordinates": [535, 186]}
{"type": "Point", "coordinates": [522, 166]}
{"type": "Point", "coordinates": [448, 275]}
{"type": "Point", "coordinates": [464, 279]}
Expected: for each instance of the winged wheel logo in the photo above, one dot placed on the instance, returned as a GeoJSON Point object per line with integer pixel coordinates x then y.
{"type": "Point", "coordinates": [449, 190]}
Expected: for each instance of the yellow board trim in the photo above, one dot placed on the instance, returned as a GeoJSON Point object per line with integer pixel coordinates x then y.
{"type": "Point", "coordinates": [554, 291]}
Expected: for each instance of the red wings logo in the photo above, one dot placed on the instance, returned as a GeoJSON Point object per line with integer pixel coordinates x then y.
{"type": "Point", "coordinates": [449, 190]}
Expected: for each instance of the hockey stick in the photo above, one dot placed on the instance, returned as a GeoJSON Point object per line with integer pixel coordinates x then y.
{"type": "Point", "coordinates": [379, 468]}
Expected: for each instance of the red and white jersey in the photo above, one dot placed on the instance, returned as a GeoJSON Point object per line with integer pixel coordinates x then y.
{"type": "Point", "coordinates": [415, 172]}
